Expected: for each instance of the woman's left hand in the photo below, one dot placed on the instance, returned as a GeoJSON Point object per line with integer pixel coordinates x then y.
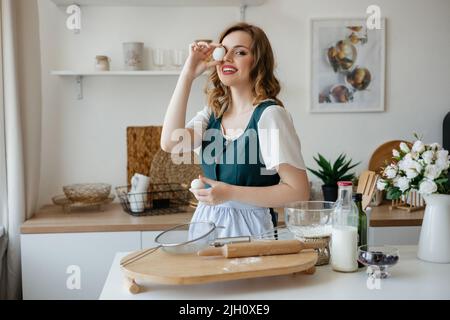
{"type": "Point", "coordinates": [217, 194]}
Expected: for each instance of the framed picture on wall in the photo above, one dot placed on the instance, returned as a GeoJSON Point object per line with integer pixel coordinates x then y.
{"type": "Point", "coordinates": [347, 66]}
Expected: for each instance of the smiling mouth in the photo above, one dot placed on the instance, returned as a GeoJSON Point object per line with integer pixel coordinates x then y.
{"type": "Point", "coordinates": [227, 70]}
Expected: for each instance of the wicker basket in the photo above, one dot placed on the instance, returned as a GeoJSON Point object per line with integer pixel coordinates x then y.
{"type": "Point", "coordinates": [162, 198]}
{"type": "Point", "coordinates": [165, 170]}
{"type": "Point", "coordinates": [87, 192]}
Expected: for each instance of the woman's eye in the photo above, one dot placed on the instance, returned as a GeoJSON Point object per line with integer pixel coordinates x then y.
{"type": "Point", "coordinates": [240, 53]}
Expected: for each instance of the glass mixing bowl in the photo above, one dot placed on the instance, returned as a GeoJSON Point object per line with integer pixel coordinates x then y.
{"type": "Point", "coordinates": [309, 219]}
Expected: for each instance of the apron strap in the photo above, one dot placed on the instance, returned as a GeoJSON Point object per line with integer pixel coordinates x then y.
{"type": "Point", "coordinates": [274, 215]}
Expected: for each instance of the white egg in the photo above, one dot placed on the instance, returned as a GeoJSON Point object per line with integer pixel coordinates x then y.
{"type": "Point", "coordinates": [219, 53]}
{"type": "Point", "coordinates": [197, 184]}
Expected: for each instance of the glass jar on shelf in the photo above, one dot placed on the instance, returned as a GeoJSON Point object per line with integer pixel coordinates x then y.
{"type": "Point", "coordinates": [102, 63]}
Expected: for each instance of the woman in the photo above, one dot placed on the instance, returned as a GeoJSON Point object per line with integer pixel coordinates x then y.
{"type": "Point", "coordinates": [248, 140]}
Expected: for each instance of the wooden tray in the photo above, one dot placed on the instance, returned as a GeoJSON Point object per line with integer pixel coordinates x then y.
{"type": "Point", "coordinates": [183, 269]}
{"type": "Point", "coordinates": [68, 205]}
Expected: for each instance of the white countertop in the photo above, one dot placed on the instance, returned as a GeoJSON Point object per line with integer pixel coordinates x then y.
{"type": "Point", "coordinates": [411, 279]}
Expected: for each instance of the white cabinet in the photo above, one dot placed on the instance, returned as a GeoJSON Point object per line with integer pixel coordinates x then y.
{"type": "Point", "coordinates": [394, 235]}
{"type": "Point", "coordinates": [52, 264]}
{"type": "Point", "coordinates": [147, 239]}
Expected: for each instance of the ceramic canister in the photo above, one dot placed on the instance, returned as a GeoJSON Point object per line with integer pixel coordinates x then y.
{"type": "Point", "coordinates": [133, 55]}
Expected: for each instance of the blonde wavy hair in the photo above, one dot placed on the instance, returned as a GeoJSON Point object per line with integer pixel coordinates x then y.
{"type": "Point", "coordinates": [265, 84]}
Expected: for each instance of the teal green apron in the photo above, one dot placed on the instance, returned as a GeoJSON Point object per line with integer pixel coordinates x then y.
{"type": "Point", "coordinates": [237, 162]}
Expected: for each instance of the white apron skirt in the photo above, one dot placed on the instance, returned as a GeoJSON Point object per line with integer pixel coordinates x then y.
{"type": "Point", "coordinates": [237, 218]}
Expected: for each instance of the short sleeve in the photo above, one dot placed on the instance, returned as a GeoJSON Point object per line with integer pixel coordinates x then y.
{"type": "Point", "coordinates": [278, 139]}
{"type": "Point", "coordinates": [200, 121]}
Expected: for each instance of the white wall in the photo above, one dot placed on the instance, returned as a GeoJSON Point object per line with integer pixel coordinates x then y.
{"type": "Point", "coordinates": [85, 140]}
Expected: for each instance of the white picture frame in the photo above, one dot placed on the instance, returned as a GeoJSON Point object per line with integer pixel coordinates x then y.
{"type": "Point", "coordinates": [345, 85]}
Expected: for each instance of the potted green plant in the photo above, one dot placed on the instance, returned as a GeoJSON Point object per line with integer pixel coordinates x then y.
{"type": "Point", "coordinates": [330, 174]}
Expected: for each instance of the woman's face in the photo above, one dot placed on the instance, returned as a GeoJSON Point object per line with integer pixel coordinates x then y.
{"type": "Point", "coordinates": [236, 65]}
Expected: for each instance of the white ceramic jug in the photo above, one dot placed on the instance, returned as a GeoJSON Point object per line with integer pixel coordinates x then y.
{"type": "Point", "coordinates": [434, 242]}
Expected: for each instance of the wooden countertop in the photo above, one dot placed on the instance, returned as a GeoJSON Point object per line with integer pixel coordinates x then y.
{"type": "Point", "coordinates": [382, 216]}
{"type": "Point", "coordinates": [52, 219]}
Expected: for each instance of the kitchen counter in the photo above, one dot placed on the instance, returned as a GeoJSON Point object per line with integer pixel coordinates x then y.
{"type": "Point", "coordinates": [411, 279]}
{"type": "Point", "coordinates": [383, 216]}
{"type": "Point", "coordinates": [52, 219]}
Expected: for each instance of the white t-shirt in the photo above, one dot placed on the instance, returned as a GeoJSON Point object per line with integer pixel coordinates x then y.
{"type": "Point", "coordinates": [283, 147]}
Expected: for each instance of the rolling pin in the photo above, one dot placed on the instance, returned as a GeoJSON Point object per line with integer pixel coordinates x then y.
{"type": "Point", "coordinates": [260, 248]}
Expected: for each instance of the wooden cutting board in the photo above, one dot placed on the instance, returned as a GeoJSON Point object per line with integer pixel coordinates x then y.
{"type": "Point", "coordinates": [182, 269]}
{"type": "Point", "coordinates": [384, 153]}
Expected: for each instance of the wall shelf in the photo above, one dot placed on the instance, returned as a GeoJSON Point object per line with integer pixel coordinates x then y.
{"type": "Point", "coordinates": [67, 73]}
{"type": "Point", "coordinates": [162, 3]}
{"type": "Point", "coordinates": [242, 4]}
{"type": "Point", "coordinates": [80, 75]}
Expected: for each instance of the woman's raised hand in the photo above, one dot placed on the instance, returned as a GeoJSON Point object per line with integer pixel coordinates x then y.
{"type": "Point", "coordinates": [199, 58]}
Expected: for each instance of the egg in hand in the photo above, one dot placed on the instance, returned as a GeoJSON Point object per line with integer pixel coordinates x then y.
{"type": "Point", "coordinates": [197, 184]}
{"type": "Point", "coordinates": [219, 53]}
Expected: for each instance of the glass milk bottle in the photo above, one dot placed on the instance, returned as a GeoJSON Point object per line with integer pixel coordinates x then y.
{"type": "Point", "coordinates": [344, 234]}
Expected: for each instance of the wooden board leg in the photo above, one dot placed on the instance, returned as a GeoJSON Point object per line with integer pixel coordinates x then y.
{"type": "Point", "coordinates": [131, 285]}
{"type": "Point", "coordinates": [310, 271]}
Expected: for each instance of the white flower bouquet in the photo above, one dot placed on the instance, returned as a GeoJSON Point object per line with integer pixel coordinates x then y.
{"type": "Point", "coordinates": [422, 167]}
